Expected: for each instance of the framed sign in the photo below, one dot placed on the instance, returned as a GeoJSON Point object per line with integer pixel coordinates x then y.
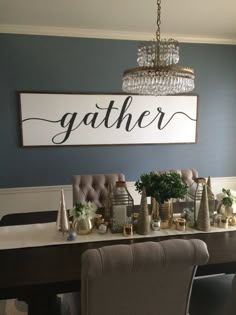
{"type": "Point", "coordinates": [50, 119]}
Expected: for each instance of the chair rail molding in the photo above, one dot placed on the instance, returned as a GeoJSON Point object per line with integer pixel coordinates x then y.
{"type": "Point", "coordinates": [44, 198]}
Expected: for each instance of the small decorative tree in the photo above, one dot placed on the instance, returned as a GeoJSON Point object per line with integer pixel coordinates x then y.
{"type": "Point", "coordinates": [162, 187]}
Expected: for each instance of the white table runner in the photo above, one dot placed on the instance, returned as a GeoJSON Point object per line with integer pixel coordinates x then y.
{"type": "Point", "coordinates": [45, 234]}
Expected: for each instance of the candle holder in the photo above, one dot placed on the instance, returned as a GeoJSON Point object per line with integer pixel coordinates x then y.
{"type": "Point", "coordinates": [128, 229]}
{"type": "Point", "coordinates": [98, 220]}
{"type": "Point", "coordinates": [164, 224]}
{"type": "Point", "coordinates": [102, 228]}
{"type": "Point", "coordinates": [156, 225]}
{"type": "Point", "coordinates": [180, 224]}
{"type": "Point", "coordinates": [224, 223]}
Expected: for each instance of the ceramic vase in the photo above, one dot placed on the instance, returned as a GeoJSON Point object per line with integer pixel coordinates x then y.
{"type": "Point", "coordinates": [165, 213]}
{"type": "Point", "coordinates": [228, 211]}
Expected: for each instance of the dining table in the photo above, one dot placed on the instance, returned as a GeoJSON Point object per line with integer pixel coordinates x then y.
{"type": "Point", "coordinates": [36, 274]}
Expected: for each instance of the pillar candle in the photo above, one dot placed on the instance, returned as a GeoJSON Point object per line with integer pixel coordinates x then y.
{"type": "Point", "coordinates": [119, 214]}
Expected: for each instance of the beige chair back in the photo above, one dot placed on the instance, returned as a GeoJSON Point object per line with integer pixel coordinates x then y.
{"type": "Point", "coordinates": [146, 278]}
{"type": "Point", "coordinates": [93, 187]}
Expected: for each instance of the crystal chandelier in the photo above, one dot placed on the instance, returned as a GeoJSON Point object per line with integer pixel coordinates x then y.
{"type": "Point", "coordinates": [157, 73]}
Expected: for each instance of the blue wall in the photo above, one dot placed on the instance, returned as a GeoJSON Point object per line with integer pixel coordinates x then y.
{"type": "Point", "coordinates": [57, 64]}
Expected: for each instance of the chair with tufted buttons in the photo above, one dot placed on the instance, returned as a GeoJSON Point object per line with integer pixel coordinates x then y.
{"type": "Point", "coordinates": [146, 278]}
{"type": "Point", "coordinates": [93, 187]}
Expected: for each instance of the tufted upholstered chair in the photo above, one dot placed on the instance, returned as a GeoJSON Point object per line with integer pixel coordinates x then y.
{"type": "Point", "coordinates": [146, 278]}
{"type": "Point", "coordinates": [93, 187]}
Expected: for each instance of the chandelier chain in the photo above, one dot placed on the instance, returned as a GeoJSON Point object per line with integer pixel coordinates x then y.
{"type": "Point", "coordinates": [158, 32]}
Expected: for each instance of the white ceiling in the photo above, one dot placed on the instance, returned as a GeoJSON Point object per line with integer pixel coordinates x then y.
{"type": "Point", "coordinates": [206, 21]}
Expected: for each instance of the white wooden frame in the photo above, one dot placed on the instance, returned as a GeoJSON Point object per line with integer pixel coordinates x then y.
{"type": "Point", "coordinates": [50, 119]}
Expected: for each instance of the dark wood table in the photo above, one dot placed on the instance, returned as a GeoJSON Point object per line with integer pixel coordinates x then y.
{"type": "Point", "coordinates": [37, 274]}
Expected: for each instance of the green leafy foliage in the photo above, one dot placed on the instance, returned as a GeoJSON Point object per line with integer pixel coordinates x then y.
{"type": "Point", "coordinates": [162, 187]}
{"type": "Point", "coordinates": [227, 200]}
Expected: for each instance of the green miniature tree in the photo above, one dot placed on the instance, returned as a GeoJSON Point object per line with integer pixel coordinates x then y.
{"type": "Point", "coordinates": [162, 187]}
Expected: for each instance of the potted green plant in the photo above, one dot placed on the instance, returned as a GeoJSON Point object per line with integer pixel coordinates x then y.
{"type": "Point", "coordinates": [162, 187]}
{"type": "Point", "coordinates": [227, 202]}
{"type": "Point", "coordinates": [227, 199]}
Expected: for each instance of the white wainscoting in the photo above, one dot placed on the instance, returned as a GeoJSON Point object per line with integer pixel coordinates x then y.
{"type": "Point", "coordinates": [43, 198]}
